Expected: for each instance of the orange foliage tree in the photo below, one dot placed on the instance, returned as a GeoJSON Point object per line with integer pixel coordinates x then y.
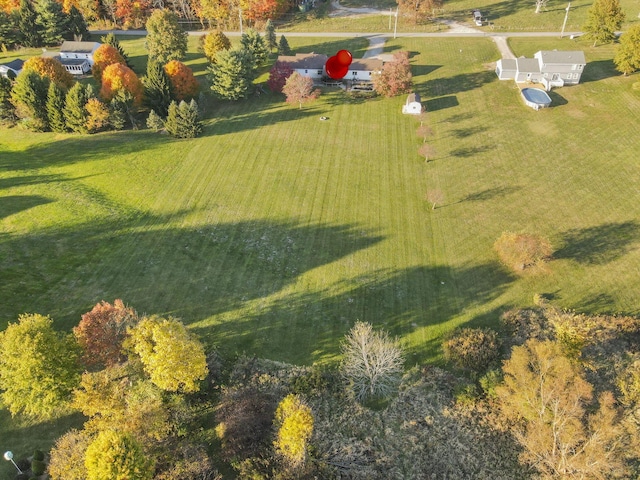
{"type": "Point", "coordinates": [120, 77]}
{"type": "Point", "coordinates": [9, 5]}
{"type": "Point", "coordinates": [262, 10]}
{"type": "Point", "coordinates": [101, 332]}
{"type": "Point", "coordinates": [104, 56]}
{"type": "Point", "coordinates": [181, 77]}
{"type": "Point", "coordinates": [133, 13]}
{"type": "Point", "coordinates": [50, 68]}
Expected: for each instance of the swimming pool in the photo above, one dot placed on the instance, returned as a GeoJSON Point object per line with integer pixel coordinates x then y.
{"type": "Point", "coordinates": [536, 98]}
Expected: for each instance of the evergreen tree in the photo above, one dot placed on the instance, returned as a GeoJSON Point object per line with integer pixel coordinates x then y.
{"type": "Point", "coordinates": [52, 22]}
{"type": "Point", "coordinates": [8, 32]}
{"type": "Point", "coordinates": [158, 91]}
{"type": "Point", "coordinates": [75, 113]}
{"type": "Point", "coordinates": [55, 108]}
{"type": "Point", "coordinates": [183, 120]}
{"type": "Point", "coordinates": [604, 18]}
{"type": "Point", "coordinates": [154, 121]}
{"type": "Point", "coordinates": [270, 35]}
{"type": "Point", "coordinates": [7, 110]}
{"type": "Point", "coordinates": [29, 96]}
{"type": "Point", "coordinates": [76, 24]}
{"type": "Point", "coordinates": [166, 40]}
{"type": "Point", "coordinates": [111, 39]}
{"type": "Point", "coordinates": [283, 46]}
{"type": "Point", "coordinates": [26, 23]}
{"type": "Point", "coordinates": [253, 42]}
{"type": "Point", "coordinates": [232, 74]}
{"type": "Point", "coordinates": [122, 110]}
{"type": "Point", "coordinates": [171, 123]}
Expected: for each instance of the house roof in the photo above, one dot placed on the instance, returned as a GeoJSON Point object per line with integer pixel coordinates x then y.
{"type": "Point", "coordinates": [366, 65]}
{"type": "Point", "coordinates": [311, 61]}
{"type": "Point", "coordinates": [15, 65]}
{"type": "Point", "coordinates": [78, 47]}
{"type": "Point", "coordinates": [508, 64]}
{"type": "Point", "coordinates": [413, 97]}
{"type": "Point", "coordinates": [528, 65]}
{"type": "Point", "coordinates": [563, 57]}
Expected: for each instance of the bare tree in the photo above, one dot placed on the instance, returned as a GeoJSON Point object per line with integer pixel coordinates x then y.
{"type": "Point", "coordinates": [372, 362]}
{"type": "Point", "coordinates": [435, 197]}
{"type": "Point", "coordinates": [540, 4]}
{"type": "Point", "coordinates": [426, 151]}
{"type": "Point", "coordinates": [424, 131]}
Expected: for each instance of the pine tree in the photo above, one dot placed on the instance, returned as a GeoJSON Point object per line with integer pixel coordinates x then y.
{"type": "Point", "coordinates": [111, 39]}
{"type": "Point", "coordinates": [29, 96]}
{"type": "Point", "coordinates": [122, 110]}
{"type": "Point", "coordinates": [75, 113]}
{"type": "Point", "coordinates": [76, 25]}
{"type": "Point", "coordinates": [232, 74]}
{"type": "Point", "coordinates": [55, 108]}
{"type": "Point", "coordinates": [154, 121]}
{"type": "Point", "coordinates": [157, 89]}
{"type": "Point", "coordinates": [283, 46]}
{"type": "Point", "coordinates": [7, 110]}
{"type": "Point", "coordinates": [253, 42]}
{"type": "Point", "coordinates": [270, 35]}
{"type": "Point", "coordinates": [182, 120]}
{"type": "Point", "coordinates": [52, 22]}
{"type": "Point", "coordinates": [29, 35]}
{"type": "Point", "coordinates": [8, 31]}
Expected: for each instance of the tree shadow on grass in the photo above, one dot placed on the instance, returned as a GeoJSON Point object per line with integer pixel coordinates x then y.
{"type": "Point", "coordinates": [599, 245]}
{"type": "Point", "coordinates": [36, 180]}
{"type": "Point", "coordinates": [557, 100]}
{"type": "Point", "coordinates": [463, 82]}
{"type": "Point", "coordinates": [599, 70]}
{"type": "Point", "coordinates": [490, 194]}
{"type": "Point", "coordinates": [441, 103]}
{"type": "Point", "coordinates": [466, 152]}
{"type": "Point", "coordinates": [12, 204]}
{"type": "Point", "coordinates": [308, 327]}
{"type": "Point", "coordinates": [469, 131]}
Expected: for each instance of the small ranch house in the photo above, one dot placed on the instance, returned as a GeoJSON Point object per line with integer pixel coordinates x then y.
{"type": "Point", "coordinates": [77, 57]}
{"type": "Point", "coordinates": [412, 106]}
{"type": "Point", "coordinates": [552, 68]}
{"type": "Point", "coordinates": [11, 69]}
{"type": "Point", "coordinates": [306, 64]}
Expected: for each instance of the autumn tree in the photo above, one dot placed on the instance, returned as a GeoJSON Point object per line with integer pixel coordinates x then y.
{"type": "Point", "coordinates": [173, 358]}
{"type": "Point", "coordinates": [75, 113]}
{"type": "Point", "coordinates": [104, 56]}
{"type": "Point", "coordinates": [38, 367]}
{"type": "Point", "coordinates": [214, 42]}
{"type": "Point", "coordinates": [52, 22]}
{"type": "Point", "coordinates": [427, 151]}
{"type": "Point", "coordinates": [117, 456]}
{"type": "Point", "coordinates": [283, 46]}
{"type": "Point", "coordinates": [118, 77]}
{"type": "Point", "coordinates": [253, 42]}
{"type": "Point", "coordinates": [232, 74]}
{"type": "Point", "coordinates": [29, 97]}
{"type": "Point", "coordinates": [55, 108]}
{"type": "Point", "coordinates": [424, 131]}
{"type": "Point", "coordinates": [604, 18]}
{"type": "Point", "coordinates": [418, 11]}
{"type": "Point", "coordinates": [49, 68]}
{"type": "Point", "coordinates": [294, 426]}
{"type": "Point", "coordinates": [130, 13]}
{"type": "Point", "coordinates": [166, 40]}
{"type": "Point", "coordinates": [97, 115]}
{"type": "Point", "coordinates": [112, 40]}
{"type": "Point", "coordinates": [561, 431]}
{"type": "Point", "coordinates": [183, 81]}
{"type": "Point", "coordinates": [278, 76]}
{"type": "Point", "coordinates": [435, 197]}
{"type": "Point", "coordinates": [520, 251]}
{"type": "Point", "coordinates": [270, 35]}
{"type": "Point", "coordinates": [395, 77]}
{"type": "Point", "coordinates": [66, 459]}
{"type": "Point", "coordinates": [472, 349]}
{"type": "Point", "coordinates": [261, 10]}
{"type": "Point", "coordinates": [627, 57]}
{"type": "Point", "coordinates": [158, 90]}
{"type": "Point", "coordinates": [183, 120]}
{"type": "Point", "coordinates": [372, 362]}
{"type": "Point", "coordinates": [299, 89]}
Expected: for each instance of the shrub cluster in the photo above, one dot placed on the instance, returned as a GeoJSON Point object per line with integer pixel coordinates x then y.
{"type": "Point", "coordinates": [473, 349]}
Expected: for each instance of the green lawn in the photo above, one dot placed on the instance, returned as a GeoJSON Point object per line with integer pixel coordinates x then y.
{"type": "Point", "coordinates": [274, 232]}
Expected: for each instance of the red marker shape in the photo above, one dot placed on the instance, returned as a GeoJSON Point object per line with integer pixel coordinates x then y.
{"type": "Point", "coordinates": [338, 65]}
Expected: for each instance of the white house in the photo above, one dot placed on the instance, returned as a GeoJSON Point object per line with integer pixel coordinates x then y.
{"type": "Point", "coordinates": [11, 69]}
{"type": "Point", "coordinates": [306, 64]}
{"type": "Point", "coordinates": [77, 57]}
{"type": "Point", "coordinates": [412, 106]}
{"type": "Point", "coordinates": [552, 68]}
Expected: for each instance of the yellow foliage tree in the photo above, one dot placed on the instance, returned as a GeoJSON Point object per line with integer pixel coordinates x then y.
{"type": "Point", "coordinates": [294, 422]}
{"type": "Point", "coordinates": [117, 456]}
{"type": "Point", "coordinates": [50, 68]}
{"type": "Point", "coordinates": [173, 358]}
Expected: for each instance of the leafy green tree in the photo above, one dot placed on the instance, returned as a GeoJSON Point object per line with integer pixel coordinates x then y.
{"type": "Point", "coordinates": [166, 40]}
{"type": "Point", "coordinates": [627, 57]}
{"type": "Point", "coordinates": [373, 363]}
{"type": "Point", "coordinates": [283, 46]}
{"type": "Point", "coordinates": [117, 456]}
{"type": "Point", "coordinates": [76, 24]}
{"type": "Point", "coordinates": [38, 367]}
{"type": "Point", "coordinates": [29, 36]}
{"type": "Point", "coordinates": [604, 18]}
{"type": "Point", "coordinates": [7, 110]}
{"type": "Point", "coordinates": [55, 108]}
{"type": "Point", "coordinates": [158, 90]}
{"type": "Point", "coordinates": [52, 22]}
{"type": "Point", "coordinates": [232, 74]}
{"type": "Point", "coordinates": [29, 97]}
{"type": "Point", "coordinates": [252, 41]}
{"type": "Point", "coordinates": [214, 42]}
{"type": "Point", "coordinates": [111, 39]}
{"type": "Point", "coordinates": [548, 398]}
{"type": "Point", "coordinates": [172, 356]}
{"type": "Point", "coordinates": [294, 424]}
{"type": "Point", "coordinates": [75, 113]}
{"type": "Point", "coordinates": [270, 35]}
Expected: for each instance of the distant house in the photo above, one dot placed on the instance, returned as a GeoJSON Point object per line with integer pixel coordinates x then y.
{"type": "Point", "coordinates": [313, 65]}
{"type": "Point", "coordinates": [77, 57]}
{"type": "Point", "coordinates": [552, 68]}
{"type": "Point", "coordinates": [11, 69]}
{"type": "Point", "coordinates": [412, 106]}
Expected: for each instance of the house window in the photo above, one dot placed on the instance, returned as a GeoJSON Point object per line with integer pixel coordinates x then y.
{"type": "Point", "coordinates": [319, 72]}
{"type": "Point", "coordinates": [580, 67]}
{"type": "Point", "coordinates": [306, 71]}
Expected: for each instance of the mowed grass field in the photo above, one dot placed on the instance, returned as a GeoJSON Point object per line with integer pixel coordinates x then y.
{"type": "Point", "coordinates": [273, 232]}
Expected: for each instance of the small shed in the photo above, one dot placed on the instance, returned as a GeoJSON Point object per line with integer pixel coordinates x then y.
{"type": "Point", "coordinates": [11, 69]}
{"type": "Point", "coordinates": [412, 106]}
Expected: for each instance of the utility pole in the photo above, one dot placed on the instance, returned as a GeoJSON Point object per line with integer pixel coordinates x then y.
{"type": "Point", "coordinates": [395, 26]}
{"type": "Point", "coordinates": [390, 14]}
{"type": "Point", "coordinates": [566, 15]}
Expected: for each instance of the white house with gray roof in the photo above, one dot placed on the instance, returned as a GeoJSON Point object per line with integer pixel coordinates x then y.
{"type": "Point", "coordinates": [552, 68]}
{"type": "Point", "coordinates": [313, 65]}
{"type": "Point", "coordinates": [77, 57]}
